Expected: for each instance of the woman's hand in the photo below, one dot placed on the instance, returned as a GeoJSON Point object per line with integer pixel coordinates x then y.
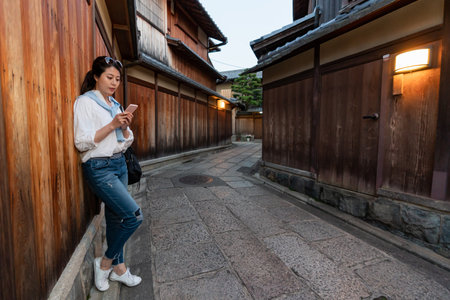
{"type": "Point", "coordinates": [122, 120]}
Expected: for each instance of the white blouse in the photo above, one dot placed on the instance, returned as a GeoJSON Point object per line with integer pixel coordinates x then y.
{"type": "Point", "coordinates": [88, 118]}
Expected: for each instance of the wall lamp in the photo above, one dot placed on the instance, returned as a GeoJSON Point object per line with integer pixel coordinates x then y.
{"type": "Point", "coordinates": [408, 62]}
{"type": "Point", "coordinates": [221, 104]}
{"type": "Point", "coordinates": [412, 60]}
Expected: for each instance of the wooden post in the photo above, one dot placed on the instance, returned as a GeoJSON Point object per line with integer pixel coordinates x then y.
{"type": "Point", "coordinates": [315, 112]}
{"type": "Point", "coordinates": [156, 114]}
{"type": "Point", "coordinates": [217, 123]}
{"type": "Point", "coordinates": [207, 122]}
{"type": "Point", "coordinates": [179, 117]}
{"type": "Point", "coordinates": [196, 120]}
{"type": "Point", "coordinates": [441, 170]}
{"type": "Point", "coordinates": [386, 96]}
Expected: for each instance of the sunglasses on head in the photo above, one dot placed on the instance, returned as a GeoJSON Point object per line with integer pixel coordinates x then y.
{"type": "Point", "coordinates": [110, 61]}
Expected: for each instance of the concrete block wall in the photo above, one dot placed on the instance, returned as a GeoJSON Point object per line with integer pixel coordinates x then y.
{"type": "Point", "coordinates": [426, 225]}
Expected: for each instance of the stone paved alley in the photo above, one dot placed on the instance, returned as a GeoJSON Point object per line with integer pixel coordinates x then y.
{"type": "Point", "coordinates": [232, 237]}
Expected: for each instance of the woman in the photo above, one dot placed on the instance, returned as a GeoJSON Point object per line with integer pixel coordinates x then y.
{"type": "Point", "coordinates": [102, 134]}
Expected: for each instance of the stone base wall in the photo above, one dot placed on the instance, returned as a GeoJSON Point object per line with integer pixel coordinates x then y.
{"type": "Point", "coordinates": [77, 278]}
{"type": "Point", "coordinates": [425, 221]}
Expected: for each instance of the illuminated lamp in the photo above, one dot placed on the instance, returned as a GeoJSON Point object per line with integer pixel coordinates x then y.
{"type": "Point", "coordinates": [412, 60]}
{"type": "Point", "coordinates": [221, 104]}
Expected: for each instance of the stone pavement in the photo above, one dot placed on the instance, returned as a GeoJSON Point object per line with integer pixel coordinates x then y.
{"type": "Point", "coordinates": [213, 231]}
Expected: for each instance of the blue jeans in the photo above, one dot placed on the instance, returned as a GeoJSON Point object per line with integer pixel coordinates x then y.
{"type": "Point", "coordinates": [108, 178]}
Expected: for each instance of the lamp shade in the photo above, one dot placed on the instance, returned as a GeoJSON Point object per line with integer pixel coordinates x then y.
{"type": "Point", "coordinates": [412, 60]}
{"type": "Point", "coordinates": [221, 104]}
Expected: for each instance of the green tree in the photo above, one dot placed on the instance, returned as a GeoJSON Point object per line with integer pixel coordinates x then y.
{"type": "Point", "coordinates": [247, 89]}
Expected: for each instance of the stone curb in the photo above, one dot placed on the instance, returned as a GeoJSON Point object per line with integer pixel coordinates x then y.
{"type": "Point", "coordinates": [403, 244]}
{"type": "Point", "coordinates": [150, 164]}
{"type": "Point", "coordinates": [70, 283]}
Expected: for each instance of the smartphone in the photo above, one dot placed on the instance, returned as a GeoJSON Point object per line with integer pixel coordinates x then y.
{"type": "Point", "coordinates": [131, 108]}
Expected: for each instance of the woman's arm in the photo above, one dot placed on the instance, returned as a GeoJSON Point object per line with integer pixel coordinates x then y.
{"type": "Point", "coordinates": [122, 120]}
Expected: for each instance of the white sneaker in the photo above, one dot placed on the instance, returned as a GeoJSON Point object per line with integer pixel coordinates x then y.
{"type": "Point", "coordinates": [101, 276]}
{"type": "Point", "coordinates": [126, 278]}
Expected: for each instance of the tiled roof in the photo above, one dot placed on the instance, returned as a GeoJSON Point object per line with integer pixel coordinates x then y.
{"type": "Point", "coordinates": [324, 31]}
{"type": "Point", "coordinates": [233, 74]}
{"type": "Point", "coordinates": [155, 64]}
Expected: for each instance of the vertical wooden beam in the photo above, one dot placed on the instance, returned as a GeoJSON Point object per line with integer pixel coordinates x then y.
{"type": "Point", "coordinates": [315, 112]}
{"type": "Point", "coordinates": [179, 118]}
{"type": "Point", "coordinates": [386, 96]}
{"type": "Point", "coordinates": [441, 179]}
{"type": "Point", "coordinates": [156, 114]}
{"type": "Point", "coordinates": [94, 49]}
{"type": "Point", "coordinates": [125, 88]}
{"type": "Point", "coordinates": [196, 120]}
{"type": "Point", "coordinates": [217, 123]}
{"type": "Point", "coordinates": [207, 122]}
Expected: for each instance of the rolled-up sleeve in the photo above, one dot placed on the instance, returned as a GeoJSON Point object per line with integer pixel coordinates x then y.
{"type": "Point", "coordinates": [84, 131]}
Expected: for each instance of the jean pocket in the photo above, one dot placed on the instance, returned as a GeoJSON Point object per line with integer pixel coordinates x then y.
{"type": "Point", "coordinates": [97, 164]}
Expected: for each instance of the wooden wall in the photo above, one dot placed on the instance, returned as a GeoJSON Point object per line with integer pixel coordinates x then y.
{"type": "Point", "coordinates": [181, 26]}
{"type": "Point", "coordinates": [286, 124]}
{"type": "Point", "coordinates": [348, 144]}
{"type": "Point", "coordinates": [249, 124]}
{"type": "Point", "coordinates": [177, 123]}
{"type": "Point", "coordinates": [45, 50]}
{"type": "Point", "coordinates": [409, 140]}
{"type": "Point", "coordinates": [395, 152]}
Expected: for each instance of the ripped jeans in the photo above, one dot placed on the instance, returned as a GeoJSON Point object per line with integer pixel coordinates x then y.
{"type": "Point", "coordinates": [108, 179]}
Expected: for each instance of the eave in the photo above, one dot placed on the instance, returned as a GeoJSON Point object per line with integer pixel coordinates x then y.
{"type": "Point", "coordinates": [155, 65]}
{"type": "Point", "coordinates": [360, 15]}
{"type": "Point", "coordinates": [123, 18]}
{"type": "Point", "coordinates": [198, 12]}
{"type": "Point", "coordinates": [286, 34]}
{"type": "Point", "coordinates": [182, 48]}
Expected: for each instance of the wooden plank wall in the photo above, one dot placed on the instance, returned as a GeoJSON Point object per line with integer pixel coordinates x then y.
{"type": "Point", "coordinates": [249, 125]}
{"type": "Point", "coordinates": [348, 144]}
{"type": "Point", "coordinates": [202, 123]}
{"type": "Point", "coordinates": [349, 148]}
{"type": "Point", "coordinates": [286, 122]}
{"type": "Point", "coordinates": [45, 50]}
{"type": "Point", "coordinates": [180, 63]}
{"type": "Point", "coordinates": [182, 122]}
{"type": "Point", "coordinates": [143, 125]}
{"type": "Point", "coordinates": [411, 137]}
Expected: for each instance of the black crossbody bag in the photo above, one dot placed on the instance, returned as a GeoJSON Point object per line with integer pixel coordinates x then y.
{"type": "Point", "coordinates": [133, 166]}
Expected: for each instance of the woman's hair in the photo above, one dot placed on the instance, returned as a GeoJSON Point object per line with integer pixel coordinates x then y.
{"type": "Point", "coordinates": [99, 66]}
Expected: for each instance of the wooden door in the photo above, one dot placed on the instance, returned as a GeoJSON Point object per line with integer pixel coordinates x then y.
{"type": "Point", "coordinates": [348, 143]}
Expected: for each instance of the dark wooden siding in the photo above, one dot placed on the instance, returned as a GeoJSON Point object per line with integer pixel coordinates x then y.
{"type": "Point", "coordinates": [395, 152]}
{"type": "Point", "coordinates": [187, 131]}
{"type": "Point", "coordinates": [202, 123]}
{"type": "Point", "coordinates": [348, 144]}
{"type": "Point", "coordinates": [167, 119]}
{"type": "Point", "coordinates": [45, 50]}
{"type": "Point", "coordinates": [286, 121]}
{"type": "Point", "coordinates": [143, 125]}
{"type": "Point", "coordinates": [411, 135]}
{"type": "Point", "coordinates": [180, 123]}
{"type": "Point", "coordinates": [249, 124]}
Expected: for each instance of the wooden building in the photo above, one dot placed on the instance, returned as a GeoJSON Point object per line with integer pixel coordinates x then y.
{"type": "Point", "coordinates": [46, 48]}
{"type": "Point", "coordinates": [346, 125]}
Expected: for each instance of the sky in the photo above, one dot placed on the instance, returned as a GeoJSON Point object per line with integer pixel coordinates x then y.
{"type": "Point", "coordinates": [242, 21]}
